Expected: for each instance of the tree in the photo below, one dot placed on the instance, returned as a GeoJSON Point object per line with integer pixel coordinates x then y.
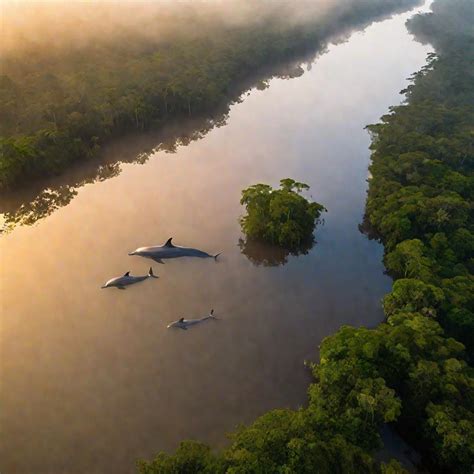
{"type": "Point", "coordinates": [411, 295]}
{"type": "Point", "coordinates": [280, 216]}
{"type": "Point", "coordinates": [408, 260]}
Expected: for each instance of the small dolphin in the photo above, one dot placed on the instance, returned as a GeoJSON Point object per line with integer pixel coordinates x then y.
{"type": "Point", "coordinates": [168, 250]}
{"type": "Point", "coordinates": [127, 279]}
{"type": "Point", "coordinates": [185, 323]}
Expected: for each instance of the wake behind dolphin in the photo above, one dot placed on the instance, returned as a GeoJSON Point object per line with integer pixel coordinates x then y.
{"type": "Point", "coordinates": [168, 250]}
{"type": "Point", "coordinates": [186, 323]}
{"type": "Point", "coordinates": [127, 279]}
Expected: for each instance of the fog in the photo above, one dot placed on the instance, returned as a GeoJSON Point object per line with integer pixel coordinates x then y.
{"type": "Point", "coordinates": [92, 376]}
{"type": "Point", "coordinates": [29, 26]}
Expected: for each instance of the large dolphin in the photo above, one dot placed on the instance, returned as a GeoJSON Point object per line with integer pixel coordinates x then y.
{"type": "Point", "coordinates": [186, 323]}
{"type": "Point", "coordinates": [168, 250]}
{"type": "Point", "coordinates": [127, 279]}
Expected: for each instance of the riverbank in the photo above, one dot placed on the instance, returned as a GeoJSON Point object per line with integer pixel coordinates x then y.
{"type": "Point", "coordinates": [408, 370]}
{"type": "Point", "coordinates": [65, 351]}
{"type": "Point", "coordinates": [420, 204]}
{"type": "Point", "coordinates": [61, 109]}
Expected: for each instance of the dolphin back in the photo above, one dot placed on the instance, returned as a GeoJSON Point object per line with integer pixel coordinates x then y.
{"type": "Point", "coordinates": [192, 252]}
{"type": "Point", "coordinates": [168, 250]}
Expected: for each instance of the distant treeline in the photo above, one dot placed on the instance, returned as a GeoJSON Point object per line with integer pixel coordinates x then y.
{"type": "Point", "coordinates": [413, 369]}
{"type": "Point", "coordinates": [58, 107]}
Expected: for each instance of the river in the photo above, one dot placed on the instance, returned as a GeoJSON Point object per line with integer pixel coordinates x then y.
{"type": "Point", "coordinates": [91, 379]}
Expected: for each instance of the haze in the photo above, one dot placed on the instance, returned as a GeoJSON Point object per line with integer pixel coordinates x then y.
{"type": "Point", "coordinates": [30, 27]}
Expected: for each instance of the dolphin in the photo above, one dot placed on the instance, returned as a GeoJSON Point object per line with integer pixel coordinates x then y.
{"type": "Point", "coordinates": [186, 323]}
{"type": "Point", "coordinates": [127, 279]}
{"type": "Point", "coordinates": [168, 250]}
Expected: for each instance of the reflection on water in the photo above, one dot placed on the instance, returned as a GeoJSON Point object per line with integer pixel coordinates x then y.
{"type": "Point", "coordinates": [365, 228]}
{"type": "Point", "coordinates": [91, 380]}
{"type": "Point", "coordinates": [48, 200]}
{"type": "Point", "coordinates": [42, 198]}
{"type": "Point", "coordinates": [261, 253]}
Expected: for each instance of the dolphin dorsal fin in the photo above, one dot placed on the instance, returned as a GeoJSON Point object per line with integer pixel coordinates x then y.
{"type": "Point", "coordinates": [127, 274]}
{"type": "Point", "coordinates": [181, 320]}
{"type": "Point", "coordinates": [168, 242]}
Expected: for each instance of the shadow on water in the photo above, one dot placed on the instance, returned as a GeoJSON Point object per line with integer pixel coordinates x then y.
{"type": "Point", "coordinates": [267, 255]}
{"type": "Point", "coordinates": [43, 197]}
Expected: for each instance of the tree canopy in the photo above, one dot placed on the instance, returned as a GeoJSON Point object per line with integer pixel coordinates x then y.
{"type": "Point", "coordinates": [412, 370]}
{"type": "Point", "coordinates": [280, 216]}
{"type": "Point", "coordinates": [59, 104]}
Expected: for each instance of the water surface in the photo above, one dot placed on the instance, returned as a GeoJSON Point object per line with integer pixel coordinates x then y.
{"type": "Point", "coordinates": [91, 379]}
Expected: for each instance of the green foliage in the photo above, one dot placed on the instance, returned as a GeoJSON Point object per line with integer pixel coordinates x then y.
{"type": "Point", "coordinates": [420, 197]}
{"type": "Point", "coordinates": [393, 467]}
{"type": "Point", "coordinates": [451, 431]}
{"type": "Point", "coordinates": [408, 371]}
{"type": "Point", "coordinates": [410, 295]}
{"type": "Point", "coordinates": [409, 260]}
{"type": "Point", "coordinates": [191, 457]}
{"type": "Point", "coordinates": [66, 102]}
{"type": "Point", "coordinates": [285, 441]}
{"type": "Point", "coordinates": [279, 216]}
{"type": "Point", "coordinates": [281, 441]}
{"type": "Point", "coordinates": [420, 204]}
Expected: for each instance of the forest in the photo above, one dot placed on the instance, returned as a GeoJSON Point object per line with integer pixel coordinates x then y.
{"type": "Point", "coordinates": [59, 103]}
{"type": "Point", "coordinates": [412, 371]}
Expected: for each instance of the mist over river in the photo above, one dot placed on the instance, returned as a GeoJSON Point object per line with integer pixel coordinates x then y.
{"type": "Point", "coordinates": [91, 379]}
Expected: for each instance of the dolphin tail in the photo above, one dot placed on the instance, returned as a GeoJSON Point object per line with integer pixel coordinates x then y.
{"type": "Point", "coordinates": [151, 274]}
{"type": "Point", "coordinates": [216, 255]}
{"type": "Point", "coordinates": [211, 315]}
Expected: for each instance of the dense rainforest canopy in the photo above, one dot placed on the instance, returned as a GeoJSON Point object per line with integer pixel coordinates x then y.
{"type": "Point", "coordinates": [413, 370]}
{"type": "Point", "coordinates": [62, 96]}
{"type": "Point", "coordinates": [280, 216]}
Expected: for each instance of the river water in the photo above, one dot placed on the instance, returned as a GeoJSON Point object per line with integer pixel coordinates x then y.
{"type": "Point", "coordinates": [91, 379]}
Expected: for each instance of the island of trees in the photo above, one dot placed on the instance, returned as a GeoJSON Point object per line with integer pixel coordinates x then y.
{"type": "Point", "coordinates": [60, 102]}
{"type": "Point", "coordinates": [280, 216]}
{"type": "Point", "coordinates": [412, 371]}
